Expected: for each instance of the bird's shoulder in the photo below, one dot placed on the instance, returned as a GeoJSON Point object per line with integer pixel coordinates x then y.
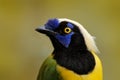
{"type": "Point", "coordinates": [48, 70]}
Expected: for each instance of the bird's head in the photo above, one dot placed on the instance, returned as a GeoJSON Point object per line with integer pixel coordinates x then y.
{"type": "Point", "coordinates": [68, 33]}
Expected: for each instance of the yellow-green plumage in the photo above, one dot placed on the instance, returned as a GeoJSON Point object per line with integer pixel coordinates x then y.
{"type": "Point", "coordinates": [74, 56]}
{"type": "Point", "coordinates": [48, 70]}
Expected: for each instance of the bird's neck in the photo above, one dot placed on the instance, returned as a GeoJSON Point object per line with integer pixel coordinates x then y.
{"type": "Point", "coordinates": [80, 62]}
{"type": "Point", "coordinates": [76, 57]}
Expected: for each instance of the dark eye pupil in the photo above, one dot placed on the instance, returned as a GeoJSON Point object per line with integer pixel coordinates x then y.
{"type": "Point", "coordinates": [67, 30]}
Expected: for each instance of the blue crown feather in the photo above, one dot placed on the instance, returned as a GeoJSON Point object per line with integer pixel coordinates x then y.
{"type": "Point", "coordinates": [52, 24]}
{"type": "Point", "coordinates": [70, 25]}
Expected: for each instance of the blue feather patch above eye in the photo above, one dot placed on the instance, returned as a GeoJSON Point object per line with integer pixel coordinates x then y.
{"type": "Point", "coordinates": [52, 24]}
{"type": "Point", "coordinates": [70, 25]}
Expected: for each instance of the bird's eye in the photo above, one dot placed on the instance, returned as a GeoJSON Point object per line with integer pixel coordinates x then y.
{"type": "Point", "coordinates": [67, 30]}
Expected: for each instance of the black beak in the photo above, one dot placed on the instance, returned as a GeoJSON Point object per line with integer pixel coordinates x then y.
{"type": "Point", "coordinates": [45, 31]}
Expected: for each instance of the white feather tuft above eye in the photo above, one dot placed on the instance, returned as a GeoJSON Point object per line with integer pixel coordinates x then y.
{"type": "Point", "coordinates": [89, 40]}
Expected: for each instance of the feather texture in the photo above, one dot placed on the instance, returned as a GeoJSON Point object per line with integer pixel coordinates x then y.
{"type": "Point", "coordinates": [89, 40]}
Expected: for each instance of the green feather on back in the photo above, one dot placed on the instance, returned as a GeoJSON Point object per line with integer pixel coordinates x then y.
{"type": "Point", "coordinates": [48, 70]}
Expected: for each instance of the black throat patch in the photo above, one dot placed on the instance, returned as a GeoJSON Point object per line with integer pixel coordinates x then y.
{"type": "Point", "coordinates": [81, 62]}
{"type": "Point", "coordinates": [76, 57]}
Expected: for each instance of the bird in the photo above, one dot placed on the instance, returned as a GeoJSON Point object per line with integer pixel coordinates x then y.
{"type": "Point", "coordinates": [74, 55]}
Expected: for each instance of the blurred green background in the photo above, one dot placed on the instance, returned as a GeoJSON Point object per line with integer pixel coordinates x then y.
{"type": "Point", "coordinates": [22, 49]}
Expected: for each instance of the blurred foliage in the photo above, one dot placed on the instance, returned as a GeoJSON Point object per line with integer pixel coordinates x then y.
{"type": "Point", "coordinates": [22, 50]}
